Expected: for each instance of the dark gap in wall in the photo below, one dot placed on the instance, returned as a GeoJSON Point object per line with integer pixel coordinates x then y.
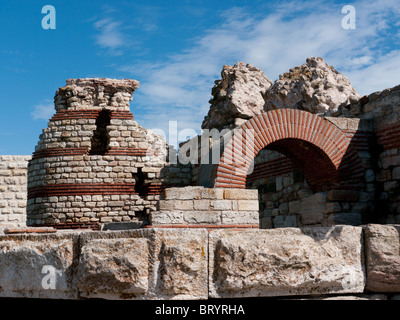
{"type": "Point", "coordinates": [100, 139]}
{"type": "Point", "coordinates": [141, 187]}
{"type": "Point", "coordinates": [381, 208]}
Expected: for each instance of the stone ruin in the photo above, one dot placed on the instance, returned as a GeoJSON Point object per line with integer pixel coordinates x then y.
{"type": "Point", "coordinates": [292, 189]}
{"type": "Point", "coordinates": [94, 163]}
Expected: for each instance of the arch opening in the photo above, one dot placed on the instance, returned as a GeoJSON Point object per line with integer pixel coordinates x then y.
{"type": "Point", "coordinates": [318, 169]}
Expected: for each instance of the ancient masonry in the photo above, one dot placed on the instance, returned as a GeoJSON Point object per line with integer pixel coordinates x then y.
{"type": "Point", "coordinates": [94, 163]}
{"type": "Point", "coordinates": [294, 192]}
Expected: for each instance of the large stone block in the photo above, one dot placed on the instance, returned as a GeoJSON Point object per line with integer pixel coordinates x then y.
{"type": "Point", "coordinates": [186, 193]}
{"type": "Point", "coordinates": [312, 209]}
{"type": "Point", "coordinates": [241, 194]}
{"type": "Point", "coordinates": [38, 266]}
{"type": "Point", "coordinates": [114, 268]}
{"type": "Point", "coordinates": [382, 252]}
{"type": "Point", "coordinates": [286, 261]}
{"type": "Point", "coordinates": [240, 217]}
{"type": "Point", "coordinates": [185, 217]}
{"type": "Point", "coordinates": [144, 264]}
{"type": "Point", "coordinates": [180, 264]}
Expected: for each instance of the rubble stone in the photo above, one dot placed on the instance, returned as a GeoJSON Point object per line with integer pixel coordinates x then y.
{"type": "Point", "coordinates": [314, 86]}
{"type": "Point", "coordinates": [237, 97]}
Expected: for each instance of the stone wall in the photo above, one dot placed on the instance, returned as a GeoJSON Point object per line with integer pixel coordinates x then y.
{"type": "Point", "coordinates": [185, 263]}
{"type": "Point", "coordinates": [383, 109]}
{"type": "Point", "coordinates": [207, 207]}
{"type": "Point", "coordinates": [286, 198]}
{"type": "Point", "coordinates": [13, 188]}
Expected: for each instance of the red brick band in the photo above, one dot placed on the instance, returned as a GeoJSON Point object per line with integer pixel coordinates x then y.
{"type": "Point", "coordinates": [57, 152]}
{"type": "Point", "coordinates": [271, 168]}
{"type": "Point", "coordinates": [81, 189]}
{"type": "Point", "coordinates": [71, 225]}
{"type": "Point", "coordinates": [114, 151]}
{"type": "Point", "coordinates": [389, 138]}
{"type": "Point", "coordinates": [205, 226]}
{"type": "Point", "coordinates": [89, 114]}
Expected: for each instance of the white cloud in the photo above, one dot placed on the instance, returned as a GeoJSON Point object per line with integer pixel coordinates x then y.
{"type": "Point", "coordinates": [384, 73]}
{"type": "Point", "coordinates": [43, 110]}
{"type": "Point", "coordinates": [180, 86]}
{"type": "Point", "coordinates": [111, 36]}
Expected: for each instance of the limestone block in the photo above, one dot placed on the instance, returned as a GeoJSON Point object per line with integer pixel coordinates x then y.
{"type": "Point", "coordinates": [183, 204]}
{"type": "Point", "coordinates": [247, 205]}
{"type": "Point", "coordinates": [212, 193]}
{"type": "Point", "coordinates": [167, 217]}
{"type": "Point", "coordinates": [285, 261]}
{"type": "Point", "coordinates": [202, 217]}
{"type": "Point", "coordinates": [186, 193]}
{"type": "Point", "coordinates": [312, 209]}
{"type": "Point", "coordinates": [241, 194]}
{"type": "Point", "coordinates": [38, 266]}
{"type": "Point", "coordinates": [114, 268]}
{"type": "Point", "coordinates": [382, 252]}
{"type": "Point", "coordinates": [185, 217]}
{"type": "Point", "coordinates": [240, 217]}
{"type": "Point", "coordinates": [201, 204]}
{"type": "Point", "coordinates": [181, 264]}
{"type": "Point", "coordinates": [221, 205]}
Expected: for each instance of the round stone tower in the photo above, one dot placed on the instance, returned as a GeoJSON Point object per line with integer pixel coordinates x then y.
{"type": "Point", "coordinates": [93, 163]}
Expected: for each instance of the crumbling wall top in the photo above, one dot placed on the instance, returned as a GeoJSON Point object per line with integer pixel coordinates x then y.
{"type": "Point", "coordinates": [95, 93]}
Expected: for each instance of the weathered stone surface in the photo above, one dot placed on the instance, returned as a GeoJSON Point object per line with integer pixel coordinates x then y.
{"type": "Point", "coordinates": [240, 217]}
{"type": "Point", "coordinates": [238, 96]}
{"type": "Point", "coordinates": [311, 209]}
{"type": "Point", "coordinates": [241, 194]}
{"type": "Point", "coordinates": [38, 266]}
{"type": "Point", "coordinates": [144, 264]}
{"type": "Point", "coordinates": [187, 193]}
{"type": "Point", "coordinates": [286, 261]}
{"type": "Point", "coordinates": [382, 251]}
{"type": "Point", "coordinates": [13, 190]}
{"type": "Point", "coordinates": [207, 206]}
{"type": "Point", "coordinates": [114, 268]}
{"type": "Point", "coordinates": [180, 264]}
{"type": "Point", "coordinates": [314, 86]}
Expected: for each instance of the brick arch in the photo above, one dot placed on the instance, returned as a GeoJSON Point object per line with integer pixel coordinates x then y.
{"type": "Point", "coordinates": [290, 131]}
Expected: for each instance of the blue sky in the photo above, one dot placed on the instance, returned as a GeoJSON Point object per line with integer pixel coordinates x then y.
{"type": "Point", "coordinates": [176, 49]}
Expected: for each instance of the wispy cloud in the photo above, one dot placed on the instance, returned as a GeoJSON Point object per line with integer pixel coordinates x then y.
{"type": "Point", "coordinates": [110, 37]}
{"type": "Point", "coordinates": [180, 86]}
{"type": "Point", "coordinates": [43, 110]}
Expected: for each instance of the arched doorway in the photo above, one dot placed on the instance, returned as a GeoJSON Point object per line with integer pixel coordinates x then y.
{"type": "Point", "coordinates": [313, 150]}
{"type": "Point", "coordinates": [298, 134]}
